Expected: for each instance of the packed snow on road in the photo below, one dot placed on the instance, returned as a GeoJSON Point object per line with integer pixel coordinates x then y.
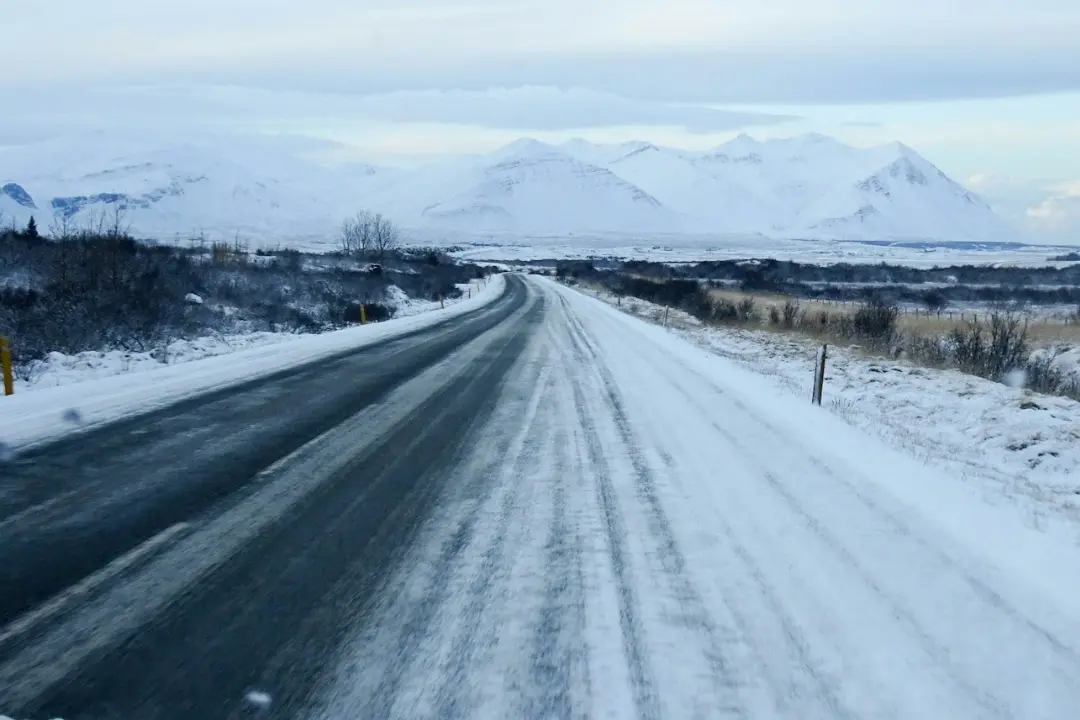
{"type": "Point", "coordinates": [646, 529]}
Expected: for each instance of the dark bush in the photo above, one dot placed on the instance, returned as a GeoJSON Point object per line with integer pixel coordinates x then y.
{"type": "Point", "coordinates": [102, 291]}
{"type": "Point", "coordinates": [875, 322]}
{"type": "Point", "coordinates": [745, 310]}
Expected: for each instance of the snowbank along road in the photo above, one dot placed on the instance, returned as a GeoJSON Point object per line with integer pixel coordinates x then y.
{"type": "Point", "coordinates": [544, 509]}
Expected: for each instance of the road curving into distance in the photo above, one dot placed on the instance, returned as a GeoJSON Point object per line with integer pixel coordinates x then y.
{"type": "Point", "coordinates": [544, 509]}
{"type": "Point", "coordinates": [336, 460]}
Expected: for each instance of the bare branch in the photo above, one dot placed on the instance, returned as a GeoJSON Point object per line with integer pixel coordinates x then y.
{"type": "Point", "coordinates": [356, 234]}
{"type": "Point", "coordinates": [384, 236]}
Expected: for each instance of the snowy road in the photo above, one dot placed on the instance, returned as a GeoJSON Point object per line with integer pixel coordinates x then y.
{"type": "Point", "coordinates": [621, 527]}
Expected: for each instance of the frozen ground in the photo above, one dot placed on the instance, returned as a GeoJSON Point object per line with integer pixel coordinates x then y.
{"type": "Point", "coordinates": [1016, 448]}
{"type": "Point", "coordinates": [93, 388]}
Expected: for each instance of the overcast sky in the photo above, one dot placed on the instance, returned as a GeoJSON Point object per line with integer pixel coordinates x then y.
{"type": "Point", "coordinates": [987, 89]}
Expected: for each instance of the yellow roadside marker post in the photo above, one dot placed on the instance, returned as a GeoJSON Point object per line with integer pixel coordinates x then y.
{"type": "Point", "coordinates": [5, 362]}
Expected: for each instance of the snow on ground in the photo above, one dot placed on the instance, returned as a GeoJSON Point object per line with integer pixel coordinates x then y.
{"type": "Point", "coordinates": [1017, 447]}
{"type": "Point", "coordinates": [406, 306]}
{"type": "Point", "coordinates": [100, 387]}
{"type": "Point", "coordinates": [60, 369]}
{"type": "Point", "coordinates": [671, 248]}
{"type": "Point", "coordinates": [645, 529]}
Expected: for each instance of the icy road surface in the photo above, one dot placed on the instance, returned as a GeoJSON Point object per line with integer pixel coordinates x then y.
{"type": "Point", "coordinates": [620, 526]}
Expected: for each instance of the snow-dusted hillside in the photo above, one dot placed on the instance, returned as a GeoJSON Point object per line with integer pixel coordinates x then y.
{"type": "Point", "coordinates": [811, 186]}
{"type": "Point", "coordinates": [268, 189]}
{"type": "Point", "coordinates": [531, 186]}
{"type": "Point", "coordinates": [244, 186]}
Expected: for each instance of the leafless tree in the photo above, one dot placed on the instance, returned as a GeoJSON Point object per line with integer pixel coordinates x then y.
{"type": "Point", "coordinates": [118, 226]}
{"type": "Point", "coordinates": [385, 236]}
{"type": "Point", "coordinates": [369, 235]}
{"type": "Point", "coordinates": [62, 227]}
{"type": "Point", "coordinates": [7, 225]}
{"type": "Point", "coordinates": [356, 234]}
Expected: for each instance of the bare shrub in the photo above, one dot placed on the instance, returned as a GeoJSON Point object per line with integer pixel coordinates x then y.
{"type": "Point", "coordinates": [1042, 376]}
{"type": "Point", "coordinates": [791, 312]}
{"type": "Point", "coordinates": [875, 322]}
{"type": "Point", "coordinates": [725, 312]}
{"type": "Point", "coordinates": [745, 310]}
{"type": "Point", "coordinates": [1008, 345]}
{"type": "Point", "coordinates": [930, 350]}
{"type": "Point", "coordinates": [774, 315]}
{"type": "Point", "coordinates": [968, 347]}
{"type": "Point", "coordinates": [990, 349]}
{"type": "Point", "coordinates": [700, 305]}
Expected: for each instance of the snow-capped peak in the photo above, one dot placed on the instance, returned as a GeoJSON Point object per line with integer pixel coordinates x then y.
{"type": "Point", "coordinates": [805, 186]}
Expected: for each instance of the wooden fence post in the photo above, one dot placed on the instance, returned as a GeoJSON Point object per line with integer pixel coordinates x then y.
{"type": "Point", "coordinates": [819, 375]}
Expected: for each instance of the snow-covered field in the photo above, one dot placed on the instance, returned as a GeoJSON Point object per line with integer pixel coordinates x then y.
{"type": "Point", "coordinates": [684, 248]}
{"type": "Point", "coordinates": [94, 388]}
{"type": "Point", "coordinates": [1017, 448]}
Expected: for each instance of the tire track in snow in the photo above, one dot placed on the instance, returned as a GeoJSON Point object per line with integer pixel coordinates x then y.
{"type": "Point", "coordinates": [396, 644]}
{"type": "Point", "coordinates": [642, 682]}
{"type": "Point", "coordinates": [559, 657]}
{"type": "Point", "coordinates": [453, 697]}
{"type": "Point", "coordinates": [978, 586]}
{"type": "Point", "coordinates": [809, 683]}
{"type": "Point", "coordinates": [938, 653]}
{"type": "Point", "coordinates": [696, 616]}
{"type": "Point", "coordinates": [641, 675]}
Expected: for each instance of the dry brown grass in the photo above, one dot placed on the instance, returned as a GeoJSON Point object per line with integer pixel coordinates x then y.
{"type": "Point", "coordinates": [1041, 332]}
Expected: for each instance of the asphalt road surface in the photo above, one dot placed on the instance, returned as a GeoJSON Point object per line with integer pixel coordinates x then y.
{"type": "Point", "coordinates": [541, 509]}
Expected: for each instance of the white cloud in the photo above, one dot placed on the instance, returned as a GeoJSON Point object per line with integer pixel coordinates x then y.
{"type": "Point", "coordinates": [673, 50]}
{"type": "Point", "coordinates": [185, 107]}
{"type": "Point", "coordinates": [546, 109]}
{"type": "Point", "coordinates": [1058, 216]}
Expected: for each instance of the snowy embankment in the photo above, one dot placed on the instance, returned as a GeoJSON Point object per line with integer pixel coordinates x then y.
{"type": "Point", "coordinates": [1014, 446]}
{"type": "Point", "coordinates": [93, 388]}
{"type": "Point", "coordinates": [60, 369]}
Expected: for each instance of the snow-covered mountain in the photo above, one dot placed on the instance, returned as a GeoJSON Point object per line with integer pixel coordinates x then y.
{"type": "Point", "coordinates": [272, 189]}
{"type": "Point", "coordinates": [534, 187]}
{"type": "Point", "coordinates": [811, 186]}
{"type": "Point", "coordinates": [246, 186]}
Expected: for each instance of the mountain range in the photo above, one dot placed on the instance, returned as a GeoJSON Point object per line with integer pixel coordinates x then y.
{"type": "Point", "coordinates": [281, 188]}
